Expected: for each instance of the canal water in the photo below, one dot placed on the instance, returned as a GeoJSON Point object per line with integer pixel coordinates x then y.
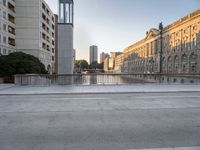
{"type": "Point", "coordinates": [105, 79]}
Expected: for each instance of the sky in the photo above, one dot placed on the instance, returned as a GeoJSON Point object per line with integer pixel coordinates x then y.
{"type": "Point", "coordinates": [113, 25]}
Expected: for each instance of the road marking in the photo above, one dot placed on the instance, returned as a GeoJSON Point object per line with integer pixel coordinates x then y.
{"type": "Point", "coordinates": [90, 98]}
{"type": "Point", "coordinates": [175, 148]}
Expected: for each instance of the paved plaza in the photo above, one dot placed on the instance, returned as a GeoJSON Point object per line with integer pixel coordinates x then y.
{"type": "Point", "coordinates": [167, 120]}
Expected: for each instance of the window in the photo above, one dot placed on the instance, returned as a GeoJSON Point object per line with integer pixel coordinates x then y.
{"type": "Point", "coordinates": [0, 38]}
{"type": "Point", "coordinates": [4, 40]}
{"type": "Point", "coordinates": [195, 42]}
{"type": "Point", "coordinates": [48, 48]}
{"type": "Point", "coordinates": [5, 27]}
{"type": "Point", "coordinates": [194, 27]}
{"type": "Point", "coordinates": [4, 51]}
{"type": "Point", "coordinates": [4, 2]}
{"type": "Point", "coordinates": [47, 29]}
{"type": "Point", "coordinates": [4, 15]}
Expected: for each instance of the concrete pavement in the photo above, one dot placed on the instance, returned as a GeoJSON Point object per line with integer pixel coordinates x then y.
{"type": "Point", "coordinates": [100, 121]}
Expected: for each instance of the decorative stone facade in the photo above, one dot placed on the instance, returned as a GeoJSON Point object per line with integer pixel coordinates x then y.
{"type": "Point", "coordinates": [173, 50]}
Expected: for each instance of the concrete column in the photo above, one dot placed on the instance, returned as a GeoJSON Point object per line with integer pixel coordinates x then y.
{"type": "Point", "coordinates": [65, 49]}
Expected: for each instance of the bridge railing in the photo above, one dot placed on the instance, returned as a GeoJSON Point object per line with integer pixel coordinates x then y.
{"type": "Point", "coordinates": [106, 79]}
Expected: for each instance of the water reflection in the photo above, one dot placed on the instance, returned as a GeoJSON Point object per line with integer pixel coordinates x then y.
{"type": "Point", "coordinates": [104, 79]}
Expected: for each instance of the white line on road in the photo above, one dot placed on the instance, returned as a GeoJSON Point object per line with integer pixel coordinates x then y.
{"type": "Point", "coordinates": [89, 98]}
{"type": "Point", "coordinates": [175, 148]}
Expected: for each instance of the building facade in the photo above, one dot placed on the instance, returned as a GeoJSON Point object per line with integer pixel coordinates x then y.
{"type": "Point", "coordinates": [103, 56]}
{"type": "Point", "coordinates": [93, 54]}
{"type": "Point", "coordinates": [7, 26]}
{"type": "Point", "coordinates": [110, 62]}
{"type": "Point", "coordinates": [174, 49]}
{"type": "Point", "coordinates": [118, 63]}
{"type": "Point", "coordinates": [35, 31]}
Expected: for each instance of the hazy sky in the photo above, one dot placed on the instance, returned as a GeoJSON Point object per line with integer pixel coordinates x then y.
{"type": "Point", "coordinates": [113, 25]}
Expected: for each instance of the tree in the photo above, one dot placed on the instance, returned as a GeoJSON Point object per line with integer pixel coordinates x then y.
{"type": "Point", "coordinates": [94, 65]}
{"type": "Point", "coordinates": [20, 63]}
{"type": "Point", "coordinates": [82, 64]}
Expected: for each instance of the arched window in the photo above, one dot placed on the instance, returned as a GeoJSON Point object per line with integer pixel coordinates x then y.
{"type": "Point", "coordinates": [169, 64]}
{"type": "Point", "coordinates": [184, 63]}
{"type": "Point", "coordinates": [193, 63]}
{"type": "Point", "coordinates": [176, 64]}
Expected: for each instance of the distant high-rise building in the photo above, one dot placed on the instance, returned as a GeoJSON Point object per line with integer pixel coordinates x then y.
{"type": "Point", "coordinates": [7, 26]}
{"type": "Point", "coordinates": [103, 56]}
{"type": "Point", "coordinates": [35, 31]}
{"type": "Point", "coordinates": [93, 54]}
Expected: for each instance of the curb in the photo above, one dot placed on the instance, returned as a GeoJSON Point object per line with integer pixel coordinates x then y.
{"type": "Point", "coordinates": [100, 93]}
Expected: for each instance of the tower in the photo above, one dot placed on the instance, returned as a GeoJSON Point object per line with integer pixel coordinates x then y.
{"type": "Point", "coordinates": [93, 54]}
{"type": "Point", "coordinates": [65, 37]}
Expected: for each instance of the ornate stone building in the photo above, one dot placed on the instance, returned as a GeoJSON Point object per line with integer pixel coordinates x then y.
{"type": "Point", "coordinates": [174, 49]}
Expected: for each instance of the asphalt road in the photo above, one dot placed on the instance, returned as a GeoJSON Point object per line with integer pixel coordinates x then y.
{"type": "Point", "coordinates": [99, 122]}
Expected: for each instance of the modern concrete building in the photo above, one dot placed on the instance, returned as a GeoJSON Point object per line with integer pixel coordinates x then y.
{"type": "Point", "coordinates": [35, 31]}
{"type": "Point", "coordinates": [7, 26]}
{"type": "Point", "coordinates": [93, 54]}
{"type": "Point", "coordinates": [109, 62]}
{"type": "Point", "coordinates": [65, 37]}
{"type": "Point", "coordinates": [103, 56]}
{"type": "Point", "coordinates": [174, 49]}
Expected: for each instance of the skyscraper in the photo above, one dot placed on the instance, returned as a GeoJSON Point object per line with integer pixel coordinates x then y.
{"type": "Point", "coordinates": [93, 54]}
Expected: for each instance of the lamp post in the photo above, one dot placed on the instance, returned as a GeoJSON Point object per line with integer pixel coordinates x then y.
{"type": "Point", "coordinates": [151, 65]}
{"type": "Point", "coordinates": [161, 43]}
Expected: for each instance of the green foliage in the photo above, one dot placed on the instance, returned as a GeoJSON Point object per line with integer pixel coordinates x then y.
{"type": "Point", "coordinates": [96, 65]}
{"type": "Point", "coordinates": [20, 63]}
{"type": "Point", "coordinates": [82, 64]}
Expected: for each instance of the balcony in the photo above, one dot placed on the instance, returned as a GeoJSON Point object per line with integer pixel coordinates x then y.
{"type": "Point", "coordinates": [43, 6]}
{"type": "Point", "coordinates": [44, 36]}
{"type": "Point", "coordinates": [48, 49]}
{"type": "Point", "coordinates": [11, 18]}
{"type": "Point", "coordinates": [11, 7]}
{"type": "Point", "coordinates": [43, 26]}
{"type": "Point", "coordinates": [11, 30]}
{"type": "Point", "coordinates": [11, 41]}
{"type": "Point", "coordinates": [44, 17]}
{"type": "Point", "coordinates": [43, 45]}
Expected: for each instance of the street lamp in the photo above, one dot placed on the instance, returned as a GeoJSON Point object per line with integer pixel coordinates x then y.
{"type": "Point", "coordinates": [152, 65]}
{"type": "Point", "coordinates": [161, 43]}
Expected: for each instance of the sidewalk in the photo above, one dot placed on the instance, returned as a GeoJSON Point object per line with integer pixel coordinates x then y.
{"type": "Point", "coordinates": [93, 89]}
